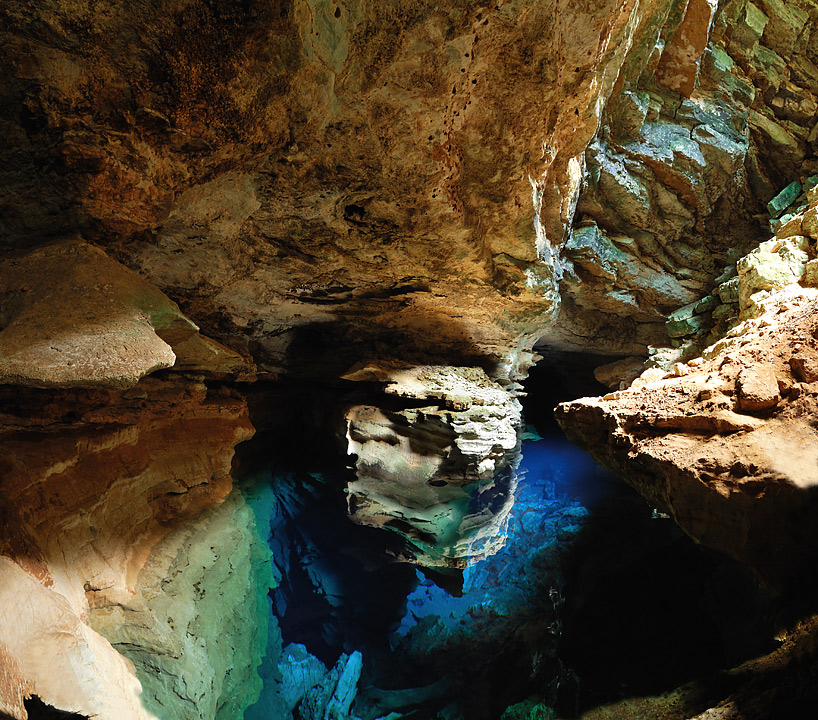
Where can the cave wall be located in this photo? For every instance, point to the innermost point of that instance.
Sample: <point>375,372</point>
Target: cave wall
<point>202,193</point>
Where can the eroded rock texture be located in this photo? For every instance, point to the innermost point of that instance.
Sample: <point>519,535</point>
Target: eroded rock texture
<point>703,131</point>
<point>726,443</point>
<point>310,176</point>
<point>92,481</point>
<point>441,471</point>
<point>198,190</point>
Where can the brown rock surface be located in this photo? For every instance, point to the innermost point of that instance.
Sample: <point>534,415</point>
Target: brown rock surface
<point>678,67</point>
<point>400,176</point>
<point>757,388</point>
<point>90,481</point>
<point>72,316</point>
<point>732,481</point>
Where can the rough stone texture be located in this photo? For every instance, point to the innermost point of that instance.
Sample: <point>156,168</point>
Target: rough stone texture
<point>359,171</point>
<point>739,482</point>
<point>13,686</point>
<point>774,264</point>
<point>72,316</point>
<point>91,481</point>
<point>678,68</point>
<point>757,388</point>
<point>674,178</point>
<point>440,471</point>
<point>319,183</point>
<point>63,661</point>
<point>196,627</point>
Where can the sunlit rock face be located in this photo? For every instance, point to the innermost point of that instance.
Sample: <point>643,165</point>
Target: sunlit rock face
<point>701,132</point>
<point>436,464</point>
<point>195,190</point>
<point>94,323</point>
<point>726,442</point>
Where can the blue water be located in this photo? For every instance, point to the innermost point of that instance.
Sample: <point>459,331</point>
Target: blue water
<point>347,613</point>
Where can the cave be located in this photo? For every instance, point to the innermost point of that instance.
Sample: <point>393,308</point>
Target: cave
<point>405,360</point>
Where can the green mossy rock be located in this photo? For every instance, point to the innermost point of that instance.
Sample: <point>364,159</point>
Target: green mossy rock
<point>687,326</point>
<point>529,709</point>
<point>784,199</point>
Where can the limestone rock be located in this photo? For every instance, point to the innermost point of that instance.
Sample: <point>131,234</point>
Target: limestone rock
<point>13,686</point>
<point>679,67</point>
<point>774,264</point>
<point>196,627</point>
<point>732,481</point>
<point>805,366</point>
<point>405,174</point>
<point>94,322</point>
<point>82,508</point>
<point>63,661</point>
<point>441,473</point>
<point>810,276</point>
<point>809,223</point>
<point>620,373</point>
<point>757,388</point>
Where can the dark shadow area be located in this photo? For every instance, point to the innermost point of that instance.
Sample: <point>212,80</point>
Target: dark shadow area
<point>341,588</point>
<point>38,710</point>
<point>560,376</point>
<point>372,324</point>
<point>595,597</point>
<point>646,609</point>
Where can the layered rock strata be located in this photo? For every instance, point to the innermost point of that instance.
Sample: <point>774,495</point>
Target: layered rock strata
<point>101,466</point>
<point>441,185</point>
<point>92,480</point>
<point>320,181</point>
<point>73,317</point>
<point>437,463</point>
<point>702,130</point>
<point>726,442</point>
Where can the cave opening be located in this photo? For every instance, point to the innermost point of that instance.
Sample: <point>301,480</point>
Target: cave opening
<point>593,597</point>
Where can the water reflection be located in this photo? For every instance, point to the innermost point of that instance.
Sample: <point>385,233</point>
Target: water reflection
<point>435,461</point>
<point>425,651</point>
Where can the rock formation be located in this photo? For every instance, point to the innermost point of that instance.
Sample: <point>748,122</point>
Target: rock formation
<point>440,472</point>
<point>726,441</point>
<point>412,200</point>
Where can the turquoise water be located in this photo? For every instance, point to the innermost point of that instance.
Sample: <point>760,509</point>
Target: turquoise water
<point>375,636</point>
<point>592,597</point>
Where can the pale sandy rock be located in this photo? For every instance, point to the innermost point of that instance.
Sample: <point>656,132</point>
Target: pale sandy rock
<point>810,276</point>
<point>757,388</point>
<point>73,317</point>
<point>805,365</point>
<point>775,264</point>
<point>64,662</point>
<point>13,686</point>
<point>809,222</point>
<point>620,373</point>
